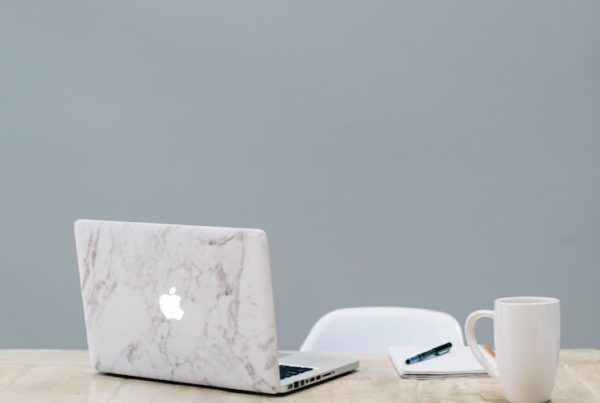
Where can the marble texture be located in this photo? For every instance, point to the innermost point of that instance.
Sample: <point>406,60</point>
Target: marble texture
<point>226,338</point>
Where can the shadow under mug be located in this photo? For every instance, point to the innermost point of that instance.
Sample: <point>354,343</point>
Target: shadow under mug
<point>527,342</point>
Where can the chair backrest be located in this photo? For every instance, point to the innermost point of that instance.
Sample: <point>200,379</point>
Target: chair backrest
<point>374,329</point>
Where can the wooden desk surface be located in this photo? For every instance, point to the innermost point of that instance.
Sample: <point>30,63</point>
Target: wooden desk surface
<point>65,376</point>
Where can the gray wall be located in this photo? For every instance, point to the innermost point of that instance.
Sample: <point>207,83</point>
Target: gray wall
<point>414,153</point>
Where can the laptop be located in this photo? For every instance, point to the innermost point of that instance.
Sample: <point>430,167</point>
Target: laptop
<point>188,304</point>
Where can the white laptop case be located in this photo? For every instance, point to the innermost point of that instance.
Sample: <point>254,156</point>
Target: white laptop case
<point>182,303</point>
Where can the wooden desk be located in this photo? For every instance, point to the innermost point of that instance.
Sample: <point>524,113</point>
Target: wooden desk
<point>65,376</point>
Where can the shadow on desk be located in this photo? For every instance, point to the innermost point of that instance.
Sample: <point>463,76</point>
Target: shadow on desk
<point>170,384</point>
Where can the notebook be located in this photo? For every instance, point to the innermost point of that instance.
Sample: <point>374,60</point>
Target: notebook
<point>459,362</point>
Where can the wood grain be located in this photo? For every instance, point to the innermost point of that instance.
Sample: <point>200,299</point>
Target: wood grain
<point>66,376</point>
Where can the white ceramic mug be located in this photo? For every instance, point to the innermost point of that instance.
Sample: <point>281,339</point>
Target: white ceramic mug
<point>527,341</point>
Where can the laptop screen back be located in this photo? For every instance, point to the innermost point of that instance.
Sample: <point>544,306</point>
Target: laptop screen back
<point>179,303</point>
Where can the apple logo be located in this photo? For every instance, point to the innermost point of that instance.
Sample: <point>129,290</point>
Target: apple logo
<point>170,305</point>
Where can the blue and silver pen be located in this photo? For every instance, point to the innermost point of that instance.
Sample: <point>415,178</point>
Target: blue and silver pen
<point>434,352</point>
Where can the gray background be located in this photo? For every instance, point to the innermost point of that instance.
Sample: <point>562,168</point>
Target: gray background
<point>411,153</point>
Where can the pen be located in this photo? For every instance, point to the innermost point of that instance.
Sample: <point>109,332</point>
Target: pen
<point>434,352</point>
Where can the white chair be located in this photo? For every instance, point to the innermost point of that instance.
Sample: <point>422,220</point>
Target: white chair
<point>374,329</point>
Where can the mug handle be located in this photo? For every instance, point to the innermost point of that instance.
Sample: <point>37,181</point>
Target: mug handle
<point>472,340</point>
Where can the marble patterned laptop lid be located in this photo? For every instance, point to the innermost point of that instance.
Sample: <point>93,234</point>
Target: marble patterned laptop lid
<point>179,303</point>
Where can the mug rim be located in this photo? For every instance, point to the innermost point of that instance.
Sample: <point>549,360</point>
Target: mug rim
<point>527,301</point>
